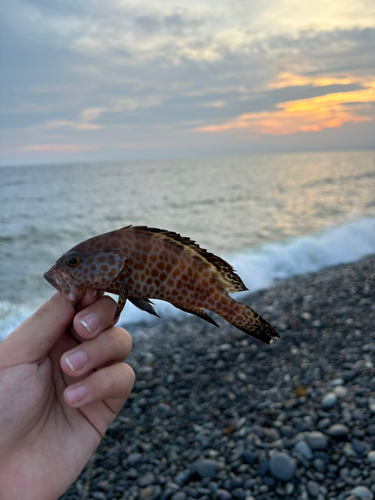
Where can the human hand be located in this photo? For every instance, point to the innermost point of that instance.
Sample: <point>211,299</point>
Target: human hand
<point>47,433</point>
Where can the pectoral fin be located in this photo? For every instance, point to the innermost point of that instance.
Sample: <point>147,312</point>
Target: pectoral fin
<point>123,295</point>
<point>143,305</point>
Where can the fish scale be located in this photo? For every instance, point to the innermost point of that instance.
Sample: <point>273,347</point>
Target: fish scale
<point>139,263</point>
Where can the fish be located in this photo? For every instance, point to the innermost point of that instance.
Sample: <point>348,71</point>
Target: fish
<point>140,263</point>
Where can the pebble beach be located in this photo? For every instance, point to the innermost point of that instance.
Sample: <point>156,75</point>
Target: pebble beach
<point>216,415</point>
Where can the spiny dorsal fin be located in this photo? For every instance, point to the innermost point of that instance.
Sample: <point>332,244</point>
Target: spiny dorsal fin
<point>222,271</point>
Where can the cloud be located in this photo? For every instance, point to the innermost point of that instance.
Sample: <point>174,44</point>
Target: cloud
<point>104,72</point>
<point>305,115</point>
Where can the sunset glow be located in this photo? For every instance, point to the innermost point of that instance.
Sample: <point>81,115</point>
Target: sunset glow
<point>306,115</point>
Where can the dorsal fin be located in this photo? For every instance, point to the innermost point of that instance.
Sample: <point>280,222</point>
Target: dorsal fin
<point>222,271</point>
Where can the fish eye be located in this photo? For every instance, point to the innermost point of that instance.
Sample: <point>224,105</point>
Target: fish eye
<point>73,261</point>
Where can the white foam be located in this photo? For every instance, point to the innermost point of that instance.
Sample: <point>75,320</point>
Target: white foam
<point>259,268</point>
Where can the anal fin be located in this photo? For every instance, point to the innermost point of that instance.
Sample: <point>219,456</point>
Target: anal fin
<point>197,311</point>
<point>143,305</point>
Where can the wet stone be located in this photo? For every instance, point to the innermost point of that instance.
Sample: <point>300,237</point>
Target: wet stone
<point>239,493</point>
<point>179,495</point>
<point>223,494</point>
<point>183,477</point>
<point>206,468</point>
<point>146,479</point>
<point>133,458</point>
<point>304,449</point>
<point>146,493</point>
<point>313,488</point>
<point>338,431</point>
<point>362,492</point>
<point>329,400</point>
<point>317,440</point>
<point>359,446</point>
<point>282,466</point>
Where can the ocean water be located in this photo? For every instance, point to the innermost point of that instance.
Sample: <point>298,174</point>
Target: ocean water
<point>270,216</point>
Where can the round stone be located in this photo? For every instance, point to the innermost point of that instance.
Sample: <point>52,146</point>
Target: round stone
<point>329,400</point>
<point>304,449</point>
<point>371,456</point>
<point>338,431</point>
<point>206,468</point>
<point>362,492</point>
<point>359,446</point>
<point>146,493</point>
<point>313,488</point>
<point>223,494</point>
<point>317,440</point>
<point>146,479</point>
<point>133,458</point>
<point>179,495</point>
<point>340,391</point>
<point>282,466</point>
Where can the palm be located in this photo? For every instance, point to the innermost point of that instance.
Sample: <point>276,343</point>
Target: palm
<point>45,442</point>
<point>49,427</point>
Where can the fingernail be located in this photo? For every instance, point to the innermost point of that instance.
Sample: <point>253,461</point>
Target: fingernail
<point>76,361</point>
<point>91,322</point>
<point>77,393</point>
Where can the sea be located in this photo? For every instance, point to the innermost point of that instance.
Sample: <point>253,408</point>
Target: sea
<point>270,216</point>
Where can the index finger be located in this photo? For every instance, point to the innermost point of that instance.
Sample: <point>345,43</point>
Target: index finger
<point>36,336</point>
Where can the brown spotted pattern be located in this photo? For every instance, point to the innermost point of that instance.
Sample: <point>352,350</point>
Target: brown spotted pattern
<point>144,263</point>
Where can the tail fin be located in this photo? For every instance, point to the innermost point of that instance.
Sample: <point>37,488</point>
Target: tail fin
<point>250,322</point>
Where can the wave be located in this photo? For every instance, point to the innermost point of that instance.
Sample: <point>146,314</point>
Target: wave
<point>259,267</point>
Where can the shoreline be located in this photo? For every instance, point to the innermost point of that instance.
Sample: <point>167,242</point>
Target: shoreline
<point>215,414</point>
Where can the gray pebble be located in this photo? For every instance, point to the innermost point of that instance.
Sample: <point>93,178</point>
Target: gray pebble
<point>146,493</point>
<point>206,468</point>
<point>164,409</point>
<point>282,466</point>
<point>348,450</point>
<point>317,440</point>
<point>133,458</point>
<point>146,479</point>
<point>304,449</point>
<point>289,488</point>
<point>359,446</point>
<point>319,465</point>
<point>183,477</point>
<point>179,495</point>
<point>324,423</point>
<point>371,456</point>
<point>223,494</point>
<point>329,400</point>
<point>362,492</point>
<point>338,431</point>
<point>313,488</point>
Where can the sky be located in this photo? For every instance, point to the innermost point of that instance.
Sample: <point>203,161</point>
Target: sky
<point>115,80</point>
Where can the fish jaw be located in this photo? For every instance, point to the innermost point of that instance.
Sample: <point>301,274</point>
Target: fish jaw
<point>65,285</point>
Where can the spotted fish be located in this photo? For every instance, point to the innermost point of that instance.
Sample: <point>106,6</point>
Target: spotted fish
<point>139,263</point>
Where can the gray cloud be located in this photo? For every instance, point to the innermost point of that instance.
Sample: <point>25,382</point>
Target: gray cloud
<point>71,65</point>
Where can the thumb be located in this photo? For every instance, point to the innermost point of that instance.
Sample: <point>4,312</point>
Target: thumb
<point>36,336</point>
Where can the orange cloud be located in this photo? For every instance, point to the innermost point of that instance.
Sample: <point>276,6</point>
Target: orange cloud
<point>305,115</point>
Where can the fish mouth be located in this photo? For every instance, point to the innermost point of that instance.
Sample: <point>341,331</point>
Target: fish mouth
<point>62,282</point>
<point>51,281</point>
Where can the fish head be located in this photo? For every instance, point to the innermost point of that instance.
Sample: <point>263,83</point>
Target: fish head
<point>76,270</point>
